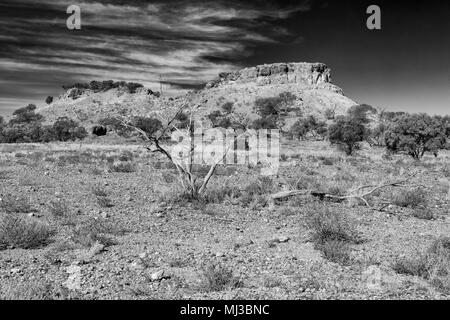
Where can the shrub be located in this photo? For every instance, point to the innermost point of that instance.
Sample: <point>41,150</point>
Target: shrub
<point>333,225</point>
<point>433,265</point>
<point>287,99</point>
<point>49,100</point>
<point>66,129</point>
<point>19,204</point>
<point>219,278</point>
<point>148,125</point>
<point>95,231</point>
<point>116,125</point>
<point>23,233</point>
<point>415,134</point>
<point>125,167</point>
<point>214,117</point>
<point>267,107</point>
<point>227,107</point>
<point>336,251</point>
<point>26,115</point>
<point>256,190</point>
<point>308,125</point>
<point>348,133</point>
<point>378,135</point>
<point>126,156</point>
<point>98,86</point>
<point>360,112</point>
<point>424,214</point>
<point>330,114</point>
<point>61,211</point>
<point>105,202</point>
<point>410,198</point>
<point>99,191</point>
<point>333,232</point>
<point>264,123</point>
<point>412,267</point>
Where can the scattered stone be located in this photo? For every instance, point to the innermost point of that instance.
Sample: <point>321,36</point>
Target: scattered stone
<point>15,270</point>
<point>281,239</point>
<point>159,275</point>
<point>73,282</point>
<point>143,255</point>
<point>105,215</point>
<point>137,264</point>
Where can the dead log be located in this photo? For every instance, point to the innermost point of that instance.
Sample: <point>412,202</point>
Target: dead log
<point>357,193</point>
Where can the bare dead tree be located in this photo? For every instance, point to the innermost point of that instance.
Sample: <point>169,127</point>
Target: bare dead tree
<point>187,178</point>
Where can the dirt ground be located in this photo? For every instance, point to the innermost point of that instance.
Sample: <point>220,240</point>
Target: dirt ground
<point>121,230</point>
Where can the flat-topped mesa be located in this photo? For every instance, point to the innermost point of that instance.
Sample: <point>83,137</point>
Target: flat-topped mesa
<point>304,73</point>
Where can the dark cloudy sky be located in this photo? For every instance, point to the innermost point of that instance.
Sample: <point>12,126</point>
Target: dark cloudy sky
<point>404,66</point>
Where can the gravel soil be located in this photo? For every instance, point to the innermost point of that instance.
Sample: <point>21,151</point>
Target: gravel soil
<point>160,248</point>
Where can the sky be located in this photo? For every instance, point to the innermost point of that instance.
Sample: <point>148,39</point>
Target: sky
<point>405,66</point>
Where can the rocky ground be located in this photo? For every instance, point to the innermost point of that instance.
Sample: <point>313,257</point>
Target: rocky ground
<point>121,230</point>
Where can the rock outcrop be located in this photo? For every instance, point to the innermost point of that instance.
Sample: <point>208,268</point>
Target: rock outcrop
<point>303,73</point>
<point>310,83</point>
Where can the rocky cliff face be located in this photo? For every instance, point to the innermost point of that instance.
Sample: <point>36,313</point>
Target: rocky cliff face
<point>304,74</point>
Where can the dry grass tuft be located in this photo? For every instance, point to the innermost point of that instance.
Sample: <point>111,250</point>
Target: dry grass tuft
<point>24,233</point>
<point>219,278</point>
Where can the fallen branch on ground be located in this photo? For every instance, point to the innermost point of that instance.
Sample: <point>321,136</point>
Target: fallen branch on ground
<point>357,193</point>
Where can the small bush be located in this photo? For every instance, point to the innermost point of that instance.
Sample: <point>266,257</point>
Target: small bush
<point>347,133</point>
<point>99,191</point>
<point>256,190</point>
<point>424,214</point>
<point>125,167</point>
<point>333,232</point>
<point>105,202</point>
<point>330,225</point>
<point>23,233</point>
<point>219,278</point>
<point>49,100</point>
<point>433,265</point>
<point>61,211</point>
<point>95,231</point>
<point>410,198</point>
<point>19,204</point>
<point>336,251</point>
<point>415,134</point>
<point>328,162</point>
<point>126,156</point>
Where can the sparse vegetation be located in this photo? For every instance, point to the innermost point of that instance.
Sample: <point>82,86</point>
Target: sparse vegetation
<point>23,233</point>
<point>415,134</point>
<point>433,265</point>
<point>98,86</point>
<point>348,133</point>
<point>410,198</point>
<point>95,231</point>
<point>333,232</point>
<point>15,204</point>
<point>123,167</point>
<point>219,277</point>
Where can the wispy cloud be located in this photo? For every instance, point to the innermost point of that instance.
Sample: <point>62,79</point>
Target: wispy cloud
<point>185,42</point>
